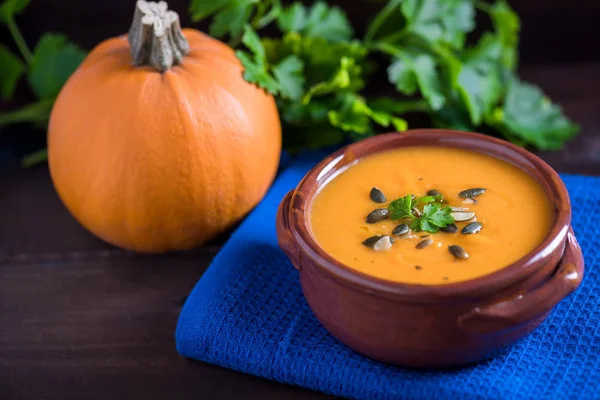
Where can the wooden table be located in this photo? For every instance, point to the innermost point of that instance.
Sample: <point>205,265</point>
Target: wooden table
<point>82,320</point>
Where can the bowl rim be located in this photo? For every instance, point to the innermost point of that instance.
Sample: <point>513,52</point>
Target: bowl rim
<point>516,272</point>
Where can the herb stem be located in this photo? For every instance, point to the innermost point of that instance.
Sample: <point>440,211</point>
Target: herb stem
<point>396,36</point>
<point>19,40</point>
<point>34,112</point>
<point>34,158</point>
<point>482,6</point>
<point>401,107</point>
<point>379,19</point>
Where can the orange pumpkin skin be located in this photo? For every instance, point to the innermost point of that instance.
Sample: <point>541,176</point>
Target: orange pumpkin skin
<point>156,162</point>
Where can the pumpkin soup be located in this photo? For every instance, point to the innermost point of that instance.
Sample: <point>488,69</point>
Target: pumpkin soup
<point>430,215</point>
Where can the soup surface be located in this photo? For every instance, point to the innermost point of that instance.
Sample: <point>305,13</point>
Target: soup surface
<point>514,213</point>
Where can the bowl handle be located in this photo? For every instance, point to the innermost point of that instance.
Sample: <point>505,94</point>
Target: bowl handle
<point>528,306</point>
<point>284,234</point>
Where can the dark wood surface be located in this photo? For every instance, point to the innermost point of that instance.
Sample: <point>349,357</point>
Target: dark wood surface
<point>82,320</point>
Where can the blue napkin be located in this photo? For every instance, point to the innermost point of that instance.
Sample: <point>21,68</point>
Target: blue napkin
<point>248,313</point>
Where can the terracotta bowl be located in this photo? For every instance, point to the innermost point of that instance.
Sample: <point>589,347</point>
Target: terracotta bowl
<point>432,325</point>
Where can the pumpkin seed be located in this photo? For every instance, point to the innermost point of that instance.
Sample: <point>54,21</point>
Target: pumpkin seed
<point>459,208</point>
<point>433,192</point>
<point>424,243</point>
<point>470,193</point>
<point>451,228</point>
<point>458,252</point>
<point>401,230</point>
<point>378,214</point>
<point>417,212</point>
<point>470,200</point>
<point>378,242</point>
<point>377,195</point>
<point>473,227</point>
<point>461,216</point>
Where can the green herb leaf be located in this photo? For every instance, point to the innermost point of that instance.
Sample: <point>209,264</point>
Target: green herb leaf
<point>293,18</point>
<point>329,23</point>
<point>200,9</point>
<point>533,118</point>
<point>11,70</point>
<point>339,82</point>
<point>412,70</point>
<point>54,60</point>
<point>434,217</point>
<point>401,208</point>
<point>231,20</point>
<point>36,113</point>
<point>10,8</point>
<point>257,73</point>
<point>255,64</point>
<point>507,25</point>
<point>356,116</point>
<point>446,21</point>
<point>479,81</point>
<point>290,78</point>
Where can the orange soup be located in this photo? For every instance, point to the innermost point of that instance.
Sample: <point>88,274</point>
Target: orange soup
<point>500,214</point>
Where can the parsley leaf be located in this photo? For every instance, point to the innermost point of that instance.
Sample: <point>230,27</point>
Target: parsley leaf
<point>507,24</point>
<point>436,216</point>
<point>292,19</point>
<point>54,60</point>
<point>445,21</point>
<point>401,208</point>
<point>411,70</point>
<point>232,19</point>
<point>329,23</point>
<point>356,116</point>
<point>479,80</point>
<point>10,8</point>
<point>11,70</point>
<point>289,76</point>
<point>533,118</point>
<point>255,65</point>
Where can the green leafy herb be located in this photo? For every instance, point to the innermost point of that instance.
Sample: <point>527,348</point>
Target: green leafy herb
<point>11,70</point>
<point>431,218</point>
<point>54,60</point>
<point>47,68</point>
<point>317,69</point>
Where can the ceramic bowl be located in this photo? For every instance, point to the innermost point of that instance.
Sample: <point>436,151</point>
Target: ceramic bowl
<point>432,325</point>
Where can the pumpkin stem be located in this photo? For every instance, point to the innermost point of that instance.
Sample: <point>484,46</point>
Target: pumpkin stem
<point>155,36</point>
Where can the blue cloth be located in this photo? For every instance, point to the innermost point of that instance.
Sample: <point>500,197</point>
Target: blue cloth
<point>248,313</point>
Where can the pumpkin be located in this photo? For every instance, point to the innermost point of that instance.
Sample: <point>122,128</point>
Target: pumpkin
<point>157,143</point>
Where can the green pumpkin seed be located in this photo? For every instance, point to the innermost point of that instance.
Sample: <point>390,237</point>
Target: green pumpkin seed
<point>433,192</point>
<point>473,227</point>
<point>458,252</point>
<point>378,214</point>
<point>378,242</point>
<point>470,193</point>
<point>461,216</point>
<point>424,243</point>
<point>401,230</point>
<point>377,195</point>
<point>451,228</point>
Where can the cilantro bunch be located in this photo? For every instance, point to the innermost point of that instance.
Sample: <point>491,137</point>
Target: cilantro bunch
<point>318,68</point>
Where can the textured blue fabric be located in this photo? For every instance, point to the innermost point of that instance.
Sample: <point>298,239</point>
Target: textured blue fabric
<point>247,313</point>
